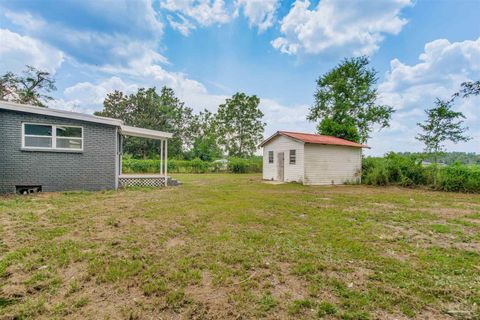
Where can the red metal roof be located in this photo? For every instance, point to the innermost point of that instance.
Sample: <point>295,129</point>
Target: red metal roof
<point>318,138</point>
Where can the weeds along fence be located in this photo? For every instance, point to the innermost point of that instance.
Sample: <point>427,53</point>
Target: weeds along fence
<point>234,165</point>
<point>408,171</point>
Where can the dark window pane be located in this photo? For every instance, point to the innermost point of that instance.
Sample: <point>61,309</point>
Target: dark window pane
<point>270,156</point>
<point>293,156</point>
<point>69,132</point>
<point>69,143</point>
<point>38,142</point>
<point>38,130</point>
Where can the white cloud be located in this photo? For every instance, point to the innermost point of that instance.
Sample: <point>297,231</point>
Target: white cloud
<point>24,19</point>
<point>410,89</point>
<point>184,26</point>
<point>280,117</point>
<point>85,93</point>
<point>88,97</point>
<point>191,12</point>
<point>130,33</point>
<point>16,51</point>
<point>135,18</point>
<point>340,27</point>
<point>260,13</point>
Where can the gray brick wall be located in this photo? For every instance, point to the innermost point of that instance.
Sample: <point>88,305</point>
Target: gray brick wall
<point>93,169</point>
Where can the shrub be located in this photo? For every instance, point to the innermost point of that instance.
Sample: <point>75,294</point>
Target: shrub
<point>460,178</point>
<point>241,165</point>
<point>405,170</point>
<point>235,165</point>
<point>394,169</point>
<point>378,176</point>
<point>408,171</point>
<point>199,166</point>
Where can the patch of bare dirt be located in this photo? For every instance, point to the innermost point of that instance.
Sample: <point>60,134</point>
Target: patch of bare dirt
<point>174,242</point>
<point>424,240</point>
<point>433,315</point>
<point>210,301</point>
<point>384,205</point>
<point>108,301</point>
<point>384,315</point>
<point>448,213</point>
<point>287,286</point>
<point>424,315</point>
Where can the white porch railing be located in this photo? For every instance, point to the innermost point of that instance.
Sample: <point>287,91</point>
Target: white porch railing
<point>140,180</point>
<point>145,180</point>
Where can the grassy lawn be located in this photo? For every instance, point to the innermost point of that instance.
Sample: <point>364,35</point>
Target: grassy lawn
<point>229,246</point>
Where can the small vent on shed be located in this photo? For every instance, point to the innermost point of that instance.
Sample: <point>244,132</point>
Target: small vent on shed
<point>27,189</point>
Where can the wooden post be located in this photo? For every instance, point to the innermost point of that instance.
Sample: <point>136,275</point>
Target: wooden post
<point>161,156</point>
<point>120,157</point>
<point>166,149</point>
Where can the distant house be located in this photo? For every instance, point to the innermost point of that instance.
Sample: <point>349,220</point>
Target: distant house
<point>311,159</point>
<point>426,163</point>
<point>44,149</point>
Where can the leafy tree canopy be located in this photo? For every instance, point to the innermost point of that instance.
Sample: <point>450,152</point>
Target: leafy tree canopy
<point>240,126</point>
<point>345,101</point>
<point>345,130</point>
<point>442,125</point>
<point>205,143</point>
<point>30,87</point>
<point>148,109</point>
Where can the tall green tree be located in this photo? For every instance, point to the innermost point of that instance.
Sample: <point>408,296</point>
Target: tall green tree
<point>32,86</point>
<point>240,126</point>
<point>346,101</point>
<point>206,139</point>
<point>442,125</point>
<point>148,109</point>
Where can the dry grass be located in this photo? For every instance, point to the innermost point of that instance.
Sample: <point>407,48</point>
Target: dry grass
<point>229,246</point>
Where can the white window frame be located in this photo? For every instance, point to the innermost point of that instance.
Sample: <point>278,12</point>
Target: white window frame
<point>53,137</point>
<point>273,156</point>
<point>294,157</point>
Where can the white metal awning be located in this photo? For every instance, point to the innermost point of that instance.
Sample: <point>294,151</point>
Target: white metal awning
<point>144,133</point>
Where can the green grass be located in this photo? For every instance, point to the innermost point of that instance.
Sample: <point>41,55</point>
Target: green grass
<point>230,246</point>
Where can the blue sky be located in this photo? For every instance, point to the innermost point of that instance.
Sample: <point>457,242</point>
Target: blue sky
<point>206,50</point>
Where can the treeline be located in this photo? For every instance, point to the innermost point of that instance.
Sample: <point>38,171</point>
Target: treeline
<point>345,105</point>
<point>234,130</point>
<point>408,171</point>
<point>447,157</point>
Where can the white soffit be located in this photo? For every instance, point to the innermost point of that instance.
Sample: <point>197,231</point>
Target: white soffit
<point>58,113</point>
<point>144,133</point>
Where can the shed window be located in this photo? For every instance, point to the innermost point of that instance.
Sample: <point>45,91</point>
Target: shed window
<point>293,156</point>
<point>55,137</point>
<point>270,156</point>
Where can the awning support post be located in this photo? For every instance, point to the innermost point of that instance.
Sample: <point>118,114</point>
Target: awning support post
<point>161,156</point>
<point>166,157</point>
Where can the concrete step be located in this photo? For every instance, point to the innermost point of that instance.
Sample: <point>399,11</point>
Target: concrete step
<point>173,182</point>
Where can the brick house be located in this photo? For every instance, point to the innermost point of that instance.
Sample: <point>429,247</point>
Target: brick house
<point>43,149</point>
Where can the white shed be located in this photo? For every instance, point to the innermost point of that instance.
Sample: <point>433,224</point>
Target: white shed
<point>311,159</point>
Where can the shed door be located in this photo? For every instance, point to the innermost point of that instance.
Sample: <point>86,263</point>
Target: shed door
<point>280,166</point>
